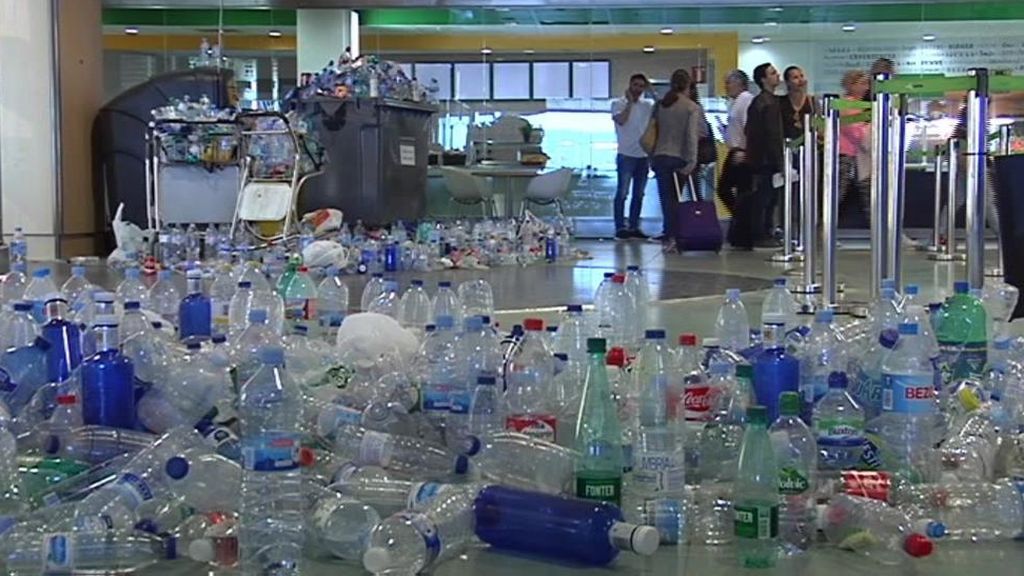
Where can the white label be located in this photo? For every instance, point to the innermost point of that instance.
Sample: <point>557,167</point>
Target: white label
<point>407,155</point>
<point>135,488</point>
<point>58,553</point>
<point>375,449</point>
<point>655,472</point>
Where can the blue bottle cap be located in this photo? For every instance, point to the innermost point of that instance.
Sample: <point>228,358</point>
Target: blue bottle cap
<point>22,306</point>
<point>164,275</point>
<point>376,275</point>
<point>473,445</point>
<point>779,282</point>
<point>194,274</point>
<point>461,464</point>
<point>444,284</point>
<point>41,273</point>
<point>732,293</point>
<point>561,356</point>
<point>473,324</point>
<point>608,275</point>
<point>272,355</point>
<point>258,315</point>
<point>961,287</point>
<point>888,338</point>
<point>444,322</point>
<point>935,529</point>
<point>486,379</point>
<point>654,334</point>
<point>632,268</point>
<point>246,284</point>
<point>157,325</point>
<point>517,329</point>
<point>146,525</point>
<point>416,282</point>
<point>52,444</point>
<point>908,328</point>
<point>911,289</point>
<point>193,345</point>
<point>54,297</point>
<point>219,338</point>
<point>552,329</point>
<point>132,305</point>
<point>837,380</point>
<point>574,308</point>
<point>177,467</point>
<point>429,328</point>
<point>485,319</point>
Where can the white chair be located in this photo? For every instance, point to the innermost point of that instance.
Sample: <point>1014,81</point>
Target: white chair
<point>467,189</point>
<point>547,189</point>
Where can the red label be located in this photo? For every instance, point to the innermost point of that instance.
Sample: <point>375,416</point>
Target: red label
<point>873,485</point>
<point>539,426</point>
<point>919,393</point>
<point>697,402</point>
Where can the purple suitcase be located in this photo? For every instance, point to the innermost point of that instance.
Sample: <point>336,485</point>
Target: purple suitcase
<point>698,227</point>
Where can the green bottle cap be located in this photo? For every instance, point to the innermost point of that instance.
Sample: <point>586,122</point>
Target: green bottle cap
<point>595,346</point>
<point>789,404</point>
<point>757,415</point>
<point>744,371</point>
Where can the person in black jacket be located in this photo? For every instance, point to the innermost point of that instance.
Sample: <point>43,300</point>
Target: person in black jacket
<point>764,152</point>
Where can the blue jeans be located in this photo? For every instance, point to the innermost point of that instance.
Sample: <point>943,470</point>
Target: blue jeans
<point>629,169</point>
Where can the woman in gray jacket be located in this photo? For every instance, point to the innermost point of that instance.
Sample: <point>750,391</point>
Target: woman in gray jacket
<point>675,153</point>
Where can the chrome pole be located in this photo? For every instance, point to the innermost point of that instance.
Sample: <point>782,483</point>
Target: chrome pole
<point>880,111</point>
<point>937,204</point>
<point>977,135</point>
<point>809,211</point>
<point>948,252</point>
<point>830,201</point>
<point>787,205</point>
<point>1005,133</point>
<point>897,185</point>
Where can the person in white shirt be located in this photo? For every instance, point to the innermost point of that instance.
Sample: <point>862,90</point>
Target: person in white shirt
<point>735,182</point>
<point>631,114</point>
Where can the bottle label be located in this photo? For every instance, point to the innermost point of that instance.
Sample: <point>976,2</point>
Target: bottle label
<point>332,319</point>
<point>134,488</point>
<point>957,360</point>
<point>793,481</point>
<point>459,402</point>
<point>428,531</point>
<point>299,309</point>
<point>539,426</point>
<point>271,452</point>
<point>436,398</point>
<point>697,401</point>
<point>375,449</point>
<point>840,432</point>
<point>602,488</point>
<point>656,472</point>
<point>756,522</point>
<point>668,517</point>
<point>908,393</point>
<point>423,493</point>
<point>58,553</point>
<point>343,416</point>
<point>219,311</point>
<point>873,485</point>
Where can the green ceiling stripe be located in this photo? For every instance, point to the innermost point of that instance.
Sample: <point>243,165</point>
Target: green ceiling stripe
<point>197,17</point>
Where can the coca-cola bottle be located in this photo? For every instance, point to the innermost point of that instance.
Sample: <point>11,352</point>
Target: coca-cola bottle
<point>530,373</point>
<point>696,394</point>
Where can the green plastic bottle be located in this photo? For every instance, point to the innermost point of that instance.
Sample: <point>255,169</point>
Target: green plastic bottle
<point>598,434</point>
<point>38,475</point>
<point>756,495</point>
<point>962,337</point>
<point>298,291</point>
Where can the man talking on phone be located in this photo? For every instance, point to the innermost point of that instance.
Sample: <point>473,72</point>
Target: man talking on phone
<point>631,114</point>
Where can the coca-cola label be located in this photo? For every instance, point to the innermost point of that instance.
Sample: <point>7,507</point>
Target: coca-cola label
<point>697,402</point>
<point>539,426</point>
<point>873,485</point>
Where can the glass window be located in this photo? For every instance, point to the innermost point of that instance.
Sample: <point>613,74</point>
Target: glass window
<point>590,79</point>
<point>472,81</point>
<point>551,80</point>
<point>511,80</point>
<point>427,73</point>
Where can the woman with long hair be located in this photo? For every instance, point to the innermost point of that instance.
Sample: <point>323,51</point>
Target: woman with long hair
<point>855,146</point>
<point>675,151</point>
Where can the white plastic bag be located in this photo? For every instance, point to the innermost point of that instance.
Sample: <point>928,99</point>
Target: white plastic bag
<point>131,240</point>
<point>323,253</point>
<point>367,338</point>
<point>323,220</point>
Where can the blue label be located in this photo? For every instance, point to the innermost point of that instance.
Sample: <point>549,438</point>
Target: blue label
<point>271,452</point>
<point>59,552</point>
<point>428,531</point>
<point>459,402</point>
<point>331,319</point>
<point>7,385</point>
<point>667,516</point>
<point>909,393</point>
<point>436,399</point>
<point>423,493</point>
<point>135,488</point>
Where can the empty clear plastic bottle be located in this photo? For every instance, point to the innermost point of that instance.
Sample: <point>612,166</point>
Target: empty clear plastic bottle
<point>866,373</point>
<point>238,309</point>
<point>371,291</point>
<point>86,551</point>
<point>446,303</point>
<point>779,303</point>
<point>12,287</point>
<point>415,310</point>
<point>132,288</point>
<point>75,285</point>
<point>477,297</point>
<point>222,290</point>
<point>164,297</point>
<point>969,511</point>
<point>332,295</point>
<point>732,326</point>
<point>797,460</point>
<point>619,317</point>
<point>387,302</point>
<point>338,525</point>
<point>36,292</point>
<point>485,408</point>
<point>397,453</point>
<point>875,529</point>
<point>823,354</point>
<point>246,348</point>
<point>525,462</point>
<point>838,423</point>
<point>529,374</point>
<point>19,246</point>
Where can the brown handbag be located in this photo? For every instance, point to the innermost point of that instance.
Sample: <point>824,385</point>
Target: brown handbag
<point>650,137</point>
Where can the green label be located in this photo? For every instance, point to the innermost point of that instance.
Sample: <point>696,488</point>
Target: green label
<point>792,481</point>
<point>603,488</point>
<point>756,522</point>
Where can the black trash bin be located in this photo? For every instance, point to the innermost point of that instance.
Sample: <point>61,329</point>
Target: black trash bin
<point>1009,172</point>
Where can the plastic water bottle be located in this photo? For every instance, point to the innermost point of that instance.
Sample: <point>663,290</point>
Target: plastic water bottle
<point>823,355</point>
<point>601,295</point>
<point>415,309</point>
<point>866,373</point>
<point>442,370</point>
<point>95,551</point>
<point>619,316</point>
<point>732,326</point>
<point>1000,300</point>
<point>875,529</point>
<point>969,511</point>
<point>164,297</point>
<point>446,303</point>
<point>204,482</point>
<point>195,311</point>
<point>19,246</point>
<point>775,370</point>
<point>571,338</point>
<point>962,335</point>
<point>132,288</point>
<point>75,285</point>
<point>371,291</point>
<point>797,459</point>
<point>239,307</point>
<point>24,358</point>
<point>779,303</point>
<point>477,297</point>
<point>246,348</point>
<point>103,305</point>
<point>479,349</point>
<point>387,302</point>
<point>271,517</point>
<point>211,539</point>
<point>413,542</point>
<point>108,391</point>
<point>909,408</point>
<point>559,528</point>
<point>718,444</point>
<point>885,312</point>
<point>195,386</point>
<point>1004,379</point>
<point>96,444</point>
<point>838,423</point>
<point>65,352</point>
<point>485,408</point>
<point>332,301</point>
<point>638,288</point>
<point>338,525</point>
<point>528,406</point>
<point>397,453</point>
<point>36,292</point>
<point>222,290</point>
<point>12,287</point>
<point>756,495</point>
<point>385,492</point>
<point>525,462</point>
<point>133,322</point>
<point>193,244</point>
<point>598,436</point>
<point>300,297</point>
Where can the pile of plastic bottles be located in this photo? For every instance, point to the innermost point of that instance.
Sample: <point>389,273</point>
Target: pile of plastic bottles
<point>364,76</point>
<point>149,425</point>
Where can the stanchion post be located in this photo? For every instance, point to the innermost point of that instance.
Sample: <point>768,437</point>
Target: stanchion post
<point>937,204</point>
<point>787,205</point>
<point>1005,133</point>
<point>897,185</point>
<point>809,211</point>
<point>977,140</point>
<point>830,201</point>
<point>881,110</point>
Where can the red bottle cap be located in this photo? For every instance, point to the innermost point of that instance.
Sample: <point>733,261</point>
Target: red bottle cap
<point>66,399</point>
<point>616,357</point>
<point>303,269</point>
<point>918,545</point>
<point>619,279</point>
<point>306,457</point>
<point>533,324</point>
<point>687,339</point>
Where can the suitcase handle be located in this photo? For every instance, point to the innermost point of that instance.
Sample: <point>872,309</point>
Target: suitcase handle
<point>691,185</point>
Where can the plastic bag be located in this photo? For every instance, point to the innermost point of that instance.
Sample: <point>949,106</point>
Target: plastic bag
<point>323,253</point>
<point>323,220</point>
<point>367,338</point>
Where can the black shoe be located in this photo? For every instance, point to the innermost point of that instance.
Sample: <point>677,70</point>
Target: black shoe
<point>623,234</point>
<point>638,234</point>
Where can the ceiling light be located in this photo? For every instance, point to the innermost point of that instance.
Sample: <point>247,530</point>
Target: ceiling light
<point>528,51</point>
<point>928,37</point>
<point>771,23</point>
<point>849,27</point>
<point>776,9</point>
<point>759,39</point>
<point>131,30</point>
<point>648,49</point>
<point>486,51</point>
<point>666,31</point>
<point>274,34</point>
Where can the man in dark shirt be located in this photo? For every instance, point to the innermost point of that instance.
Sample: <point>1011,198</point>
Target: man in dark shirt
<point>764,149</point>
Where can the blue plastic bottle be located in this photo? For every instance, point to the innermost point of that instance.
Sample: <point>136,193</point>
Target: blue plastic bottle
<point>580,531</point>
<point>195,311</point>
<point>775,370</point>
<point>108,391</point>
<point>65,353</point>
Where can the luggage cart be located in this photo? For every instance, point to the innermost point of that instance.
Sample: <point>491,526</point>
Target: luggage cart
<point>276,161</point>
<point>192,171</point>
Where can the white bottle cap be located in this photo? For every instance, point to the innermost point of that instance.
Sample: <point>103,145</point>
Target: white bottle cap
<point>376,560</point>
<point>642,540</point>
<point>201,550</point>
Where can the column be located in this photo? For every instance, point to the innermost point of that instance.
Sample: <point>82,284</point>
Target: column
<point>322,35</point>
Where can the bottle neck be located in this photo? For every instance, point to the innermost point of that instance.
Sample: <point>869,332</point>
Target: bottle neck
<point>773,335</point>
<point>108,339</point>
<point>194,286</point>
<point>55,310</point>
